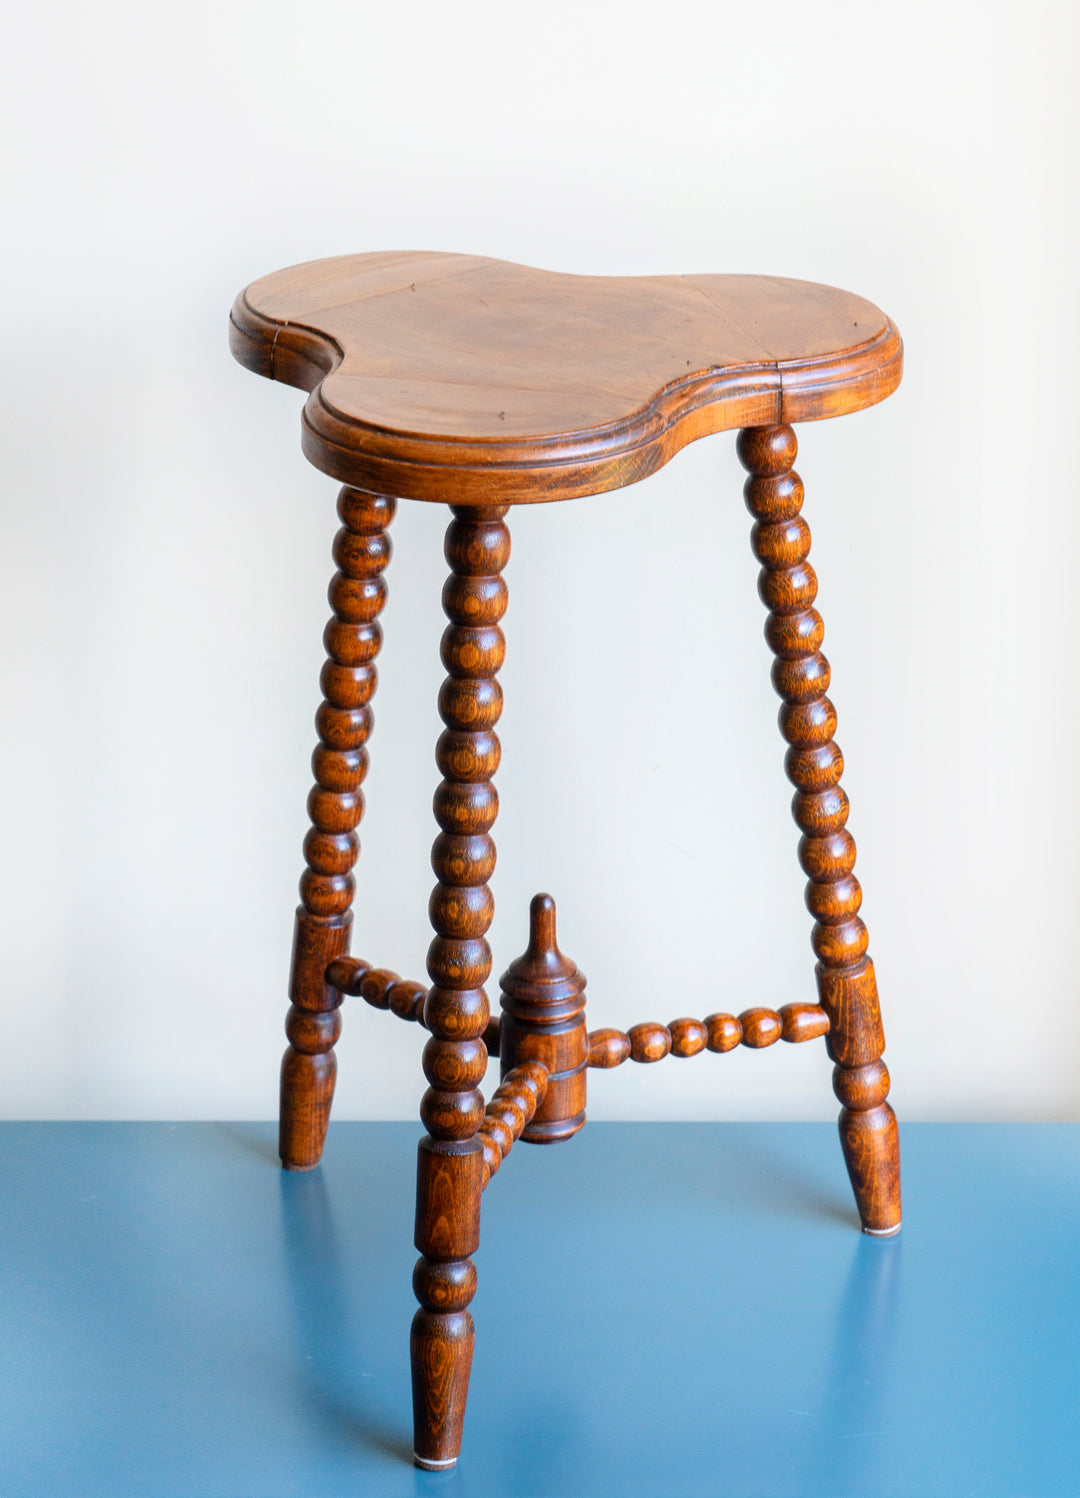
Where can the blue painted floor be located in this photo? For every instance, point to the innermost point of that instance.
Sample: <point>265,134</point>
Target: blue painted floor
<point>665,1311</point>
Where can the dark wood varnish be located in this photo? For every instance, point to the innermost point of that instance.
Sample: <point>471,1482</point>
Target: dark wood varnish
<point>474,381</point>
<point>383,989</point>
<point>845,974</point>
<point>716,1032</point>
<point>543,1019</point>
<point>513,1104</point>
<point>482,384</point>
<point>335,805</point>
<point>456,1009</point>
<point>379,987</point>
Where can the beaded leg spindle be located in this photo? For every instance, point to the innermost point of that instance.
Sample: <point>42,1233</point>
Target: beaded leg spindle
<point>451,1159</point>
<point>845,974</point>
<point>336,804</point>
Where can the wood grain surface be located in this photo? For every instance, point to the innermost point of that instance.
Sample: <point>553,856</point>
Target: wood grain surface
<point>474,381</point>
<point>483,384</point>
<point>755,1028</point>
<point>339,765</point>
<point>543,1020</point>
<point>452,1168</point>
<point>801,675</point>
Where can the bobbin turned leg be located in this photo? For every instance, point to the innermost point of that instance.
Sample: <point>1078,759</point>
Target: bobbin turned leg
<point>335,805</point>
<point>845,974</point>
<point>450,1164</point>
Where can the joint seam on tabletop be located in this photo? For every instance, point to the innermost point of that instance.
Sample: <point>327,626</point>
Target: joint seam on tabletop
<point>279,329</point>
<point>769,356</point>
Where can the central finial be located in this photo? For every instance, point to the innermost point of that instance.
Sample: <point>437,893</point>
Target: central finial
<point>542,962</point>
<point>543,1019</point>
<point>542,924</point>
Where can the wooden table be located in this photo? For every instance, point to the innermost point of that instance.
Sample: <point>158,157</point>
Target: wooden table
<point>480,384</point>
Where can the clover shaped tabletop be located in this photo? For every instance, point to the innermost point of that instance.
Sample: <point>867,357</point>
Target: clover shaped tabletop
<point>476,381</point>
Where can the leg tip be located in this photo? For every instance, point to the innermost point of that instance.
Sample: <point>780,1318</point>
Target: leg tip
<point>432,1466</point>
<point>299,1169</point>
<point>882,1232</point>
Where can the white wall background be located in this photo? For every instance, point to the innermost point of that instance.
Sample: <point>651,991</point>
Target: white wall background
<point>166,547</point>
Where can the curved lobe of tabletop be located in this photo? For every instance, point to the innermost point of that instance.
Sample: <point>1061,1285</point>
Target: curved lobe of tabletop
<point>470,380</point>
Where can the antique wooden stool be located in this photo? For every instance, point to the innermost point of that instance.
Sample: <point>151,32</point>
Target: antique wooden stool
<point>481,385</point>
